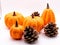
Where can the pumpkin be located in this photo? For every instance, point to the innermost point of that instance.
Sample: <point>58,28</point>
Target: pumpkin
<point>11,18</point>
<point>48,15</point>
<point>34,21</point>
<point>16,31</point>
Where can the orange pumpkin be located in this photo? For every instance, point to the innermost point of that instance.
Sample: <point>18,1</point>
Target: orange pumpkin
<point>48,15</point>
<point>34,21</point>
<point>11,18</point>
<point>16,31</point>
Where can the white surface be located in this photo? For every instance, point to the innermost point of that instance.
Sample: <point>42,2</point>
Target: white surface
<point>0,10</point>
<point>26,7</point>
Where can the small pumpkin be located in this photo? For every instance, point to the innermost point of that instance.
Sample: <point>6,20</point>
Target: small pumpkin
<point>16,31</point>
<point>11,18</point>
<point>48,15</point>
<point>34,21</point>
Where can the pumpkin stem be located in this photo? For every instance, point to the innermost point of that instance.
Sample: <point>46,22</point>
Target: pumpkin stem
<point>47,6</point>
<point>14,13</point>
<point>16,24</point>
<point>36,14</point>
<point>32,16</point>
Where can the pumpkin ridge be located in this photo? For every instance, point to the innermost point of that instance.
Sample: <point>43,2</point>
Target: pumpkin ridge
<point>52,17</point>
<point>44,17</point>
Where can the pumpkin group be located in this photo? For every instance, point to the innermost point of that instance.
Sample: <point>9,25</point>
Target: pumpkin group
<point>17,23</point>
<point>12,17</point>
<point>48,15</point>
<point>16,31</point>
<point>34,21</point>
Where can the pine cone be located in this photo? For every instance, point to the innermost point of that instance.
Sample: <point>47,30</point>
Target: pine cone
<point>30,35</point>
<point>51,30</point>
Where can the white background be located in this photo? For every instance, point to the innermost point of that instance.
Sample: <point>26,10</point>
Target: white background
<point>26,7</point>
